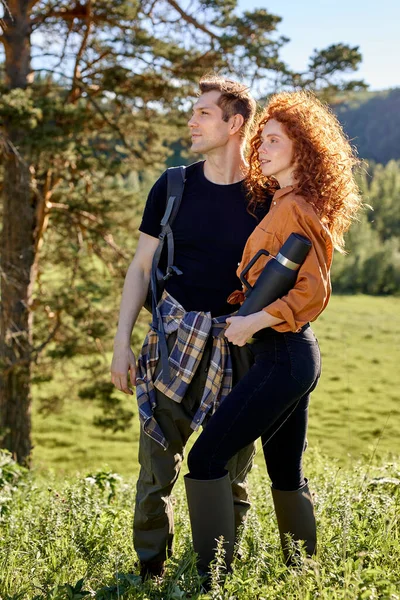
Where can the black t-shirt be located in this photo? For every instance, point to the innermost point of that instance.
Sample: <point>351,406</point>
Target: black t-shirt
<point>210,232</point>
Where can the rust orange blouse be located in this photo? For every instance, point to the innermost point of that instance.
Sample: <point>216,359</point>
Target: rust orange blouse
<point>291,213</point>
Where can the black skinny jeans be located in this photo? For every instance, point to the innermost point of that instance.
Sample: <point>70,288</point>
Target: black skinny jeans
<point>271,402</point>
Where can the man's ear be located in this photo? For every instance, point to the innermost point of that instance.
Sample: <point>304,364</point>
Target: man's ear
<point>236,123</point>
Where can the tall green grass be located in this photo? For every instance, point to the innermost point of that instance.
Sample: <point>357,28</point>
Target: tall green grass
<point>62,540</point>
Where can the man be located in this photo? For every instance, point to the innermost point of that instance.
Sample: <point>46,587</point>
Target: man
<point>210,231</point>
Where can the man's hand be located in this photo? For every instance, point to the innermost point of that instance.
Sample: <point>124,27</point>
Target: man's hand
<point>123,363</point>
<point>240,329</point>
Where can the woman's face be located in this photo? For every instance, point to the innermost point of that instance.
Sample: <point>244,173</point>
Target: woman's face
<point>276,153</point>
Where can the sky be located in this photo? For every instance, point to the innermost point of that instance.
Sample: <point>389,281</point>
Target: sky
<point>373,25</point>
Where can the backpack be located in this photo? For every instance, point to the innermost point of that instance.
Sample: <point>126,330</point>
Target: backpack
<point>158,279</point>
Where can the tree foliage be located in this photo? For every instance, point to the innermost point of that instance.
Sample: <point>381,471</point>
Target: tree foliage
<point>326,69</point>
<point>372,265</point>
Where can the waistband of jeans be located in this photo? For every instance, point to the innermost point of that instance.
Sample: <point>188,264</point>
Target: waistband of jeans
<point>269,332</point>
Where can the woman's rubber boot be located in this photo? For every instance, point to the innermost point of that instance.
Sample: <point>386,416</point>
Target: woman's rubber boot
<point>211,515</point>
<point>295,514</point>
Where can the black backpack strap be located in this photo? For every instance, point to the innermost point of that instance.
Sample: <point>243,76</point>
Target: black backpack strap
<point>175,187</point>
<point>176,182</point>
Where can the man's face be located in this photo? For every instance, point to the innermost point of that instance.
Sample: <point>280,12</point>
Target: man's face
<point>207,128</point>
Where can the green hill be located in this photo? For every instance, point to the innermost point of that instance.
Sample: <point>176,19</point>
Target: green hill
<point>372,121</point>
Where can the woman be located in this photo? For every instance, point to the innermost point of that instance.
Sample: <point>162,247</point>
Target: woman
<point>300,153</point>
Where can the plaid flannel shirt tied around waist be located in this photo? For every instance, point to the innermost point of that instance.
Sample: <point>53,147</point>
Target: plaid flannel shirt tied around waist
<point>193,329</point>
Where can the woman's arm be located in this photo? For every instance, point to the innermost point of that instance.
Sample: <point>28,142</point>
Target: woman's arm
<point>311,293</point>
<point>307,299</point>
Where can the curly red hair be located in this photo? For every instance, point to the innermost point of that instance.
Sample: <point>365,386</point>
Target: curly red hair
<point>323,158</point>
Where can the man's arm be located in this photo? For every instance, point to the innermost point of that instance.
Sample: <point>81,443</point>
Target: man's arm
<point>133,296</point>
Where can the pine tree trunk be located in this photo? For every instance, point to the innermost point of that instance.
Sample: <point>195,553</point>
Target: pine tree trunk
<point>17,253</point>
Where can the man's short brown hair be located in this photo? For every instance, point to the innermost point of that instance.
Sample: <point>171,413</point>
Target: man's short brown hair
<point>235,99</point>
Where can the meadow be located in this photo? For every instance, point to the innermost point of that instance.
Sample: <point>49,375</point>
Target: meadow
<point>354,412</point>
<point>66,525</point>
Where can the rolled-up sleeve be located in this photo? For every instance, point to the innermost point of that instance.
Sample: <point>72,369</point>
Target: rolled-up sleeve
<point>311,293</point>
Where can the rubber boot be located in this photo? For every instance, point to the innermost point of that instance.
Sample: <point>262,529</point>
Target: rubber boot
<point>152,569</point>
<point>295,515</point>
<point>211,515</point>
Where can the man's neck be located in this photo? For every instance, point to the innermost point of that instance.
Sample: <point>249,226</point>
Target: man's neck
<point>225,166</point>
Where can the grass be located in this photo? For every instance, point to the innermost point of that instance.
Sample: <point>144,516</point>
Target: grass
<point>354,411</point>
<point>65,540</point>
<point>356,407</point>
<point>66,526</point>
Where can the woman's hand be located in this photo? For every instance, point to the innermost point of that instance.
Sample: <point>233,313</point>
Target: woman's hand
<point>240,329</point>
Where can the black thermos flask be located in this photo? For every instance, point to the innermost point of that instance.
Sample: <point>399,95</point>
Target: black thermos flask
<point>278,276</point>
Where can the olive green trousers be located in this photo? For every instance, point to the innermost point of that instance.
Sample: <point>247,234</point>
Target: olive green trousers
<point>153,527</point>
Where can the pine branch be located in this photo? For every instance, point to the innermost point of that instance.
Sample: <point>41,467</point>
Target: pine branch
<point>74,92</point>
<point>34,352</point>
<point>79,11</point>
<point>98,108</point>
<point>106,235</point>
<point>192,20</point>
<point>96,60</point>
<point>107,120</point>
